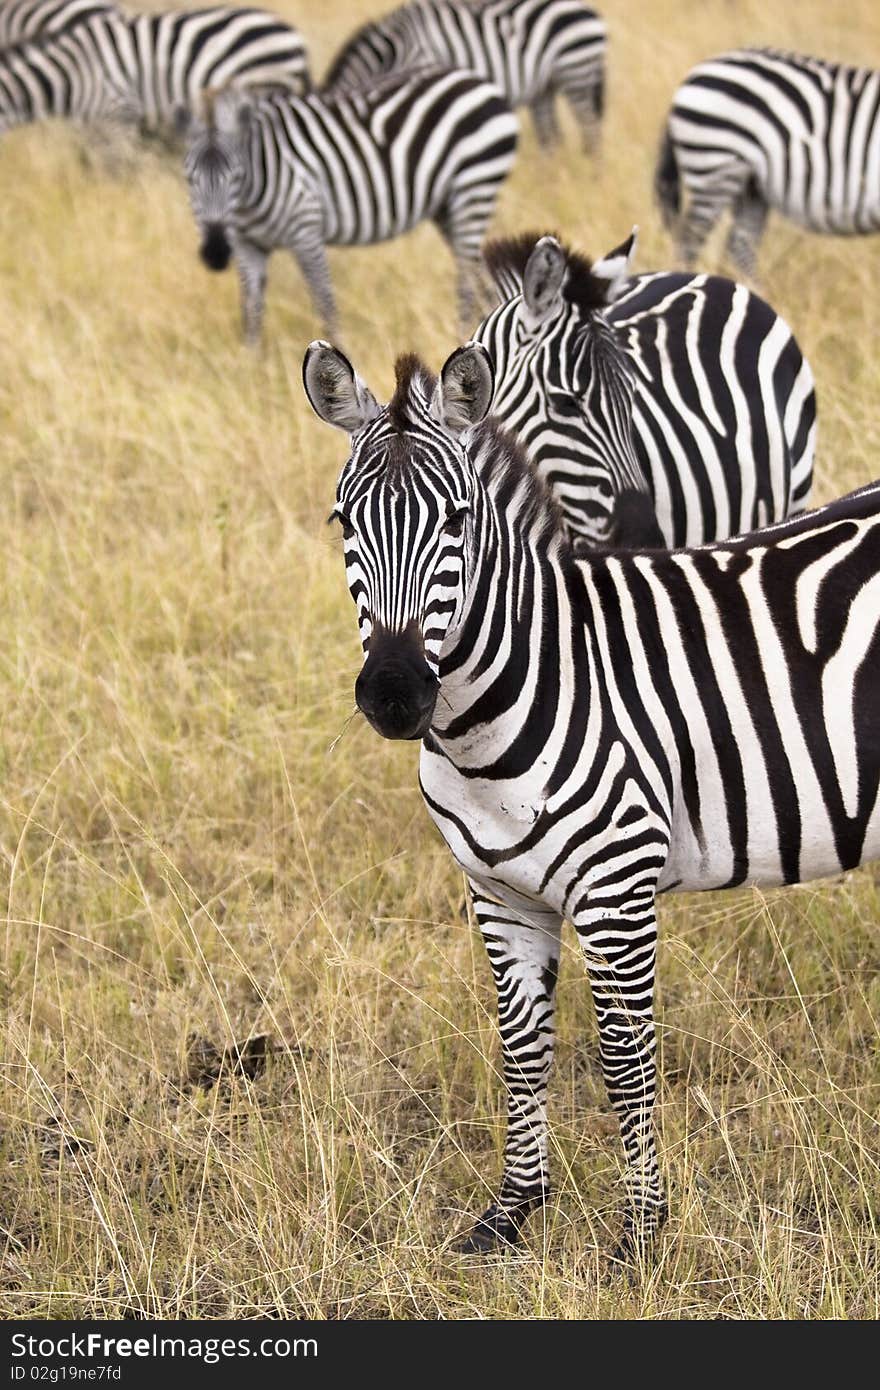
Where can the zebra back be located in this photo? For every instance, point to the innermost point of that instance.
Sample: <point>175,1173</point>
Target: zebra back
<point>26,19</point>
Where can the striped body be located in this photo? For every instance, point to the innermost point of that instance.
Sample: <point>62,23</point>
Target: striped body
<point>600,728</point>
<point>147,68</point>
<point>531,49</point>
<point>350,170</point>
<point>716,410</point>
<point>759,129</point>
<point>25,19</point>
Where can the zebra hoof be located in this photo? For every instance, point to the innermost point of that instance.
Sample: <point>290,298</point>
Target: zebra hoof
<point>638,1240</point>
<point>497,1229</point>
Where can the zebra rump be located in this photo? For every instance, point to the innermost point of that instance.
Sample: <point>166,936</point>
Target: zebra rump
<point>759,129</point>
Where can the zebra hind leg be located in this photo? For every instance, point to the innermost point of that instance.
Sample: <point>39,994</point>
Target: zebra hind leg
<point>586,100</point>
<point>524,957</point>
<point>544,119</point>
<point>749,220</point>
<point>620,956</point>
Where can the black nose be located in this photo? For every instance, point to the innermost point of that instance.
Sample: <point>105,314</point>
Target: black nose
<point>396,689</point>
<point>215,249</point>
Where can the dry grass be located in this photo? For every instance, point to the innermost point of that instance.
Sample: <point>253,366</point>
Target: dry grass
<point>183,853</point>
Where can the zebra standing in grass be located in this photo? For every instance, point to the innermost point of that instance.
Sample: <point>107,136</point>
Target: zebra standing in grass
<point>347,170</point>
<point>146,68</point>
<point>533,50</point>
<point>661,410</point>
<point>24,19</point>
<point>598,728</point>
<point>760,129</point>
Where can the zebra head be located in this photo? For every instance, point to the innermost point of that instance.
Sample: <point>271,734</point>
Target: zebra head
<point>404,500</point>
<point>565,384</point>
<point>213,165</point>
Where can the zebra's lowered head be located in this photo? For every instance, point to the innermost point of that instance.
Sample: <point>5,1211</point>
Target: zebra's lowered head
<point>405,502</point>
<point>213,166</point>
<point>564,383</point>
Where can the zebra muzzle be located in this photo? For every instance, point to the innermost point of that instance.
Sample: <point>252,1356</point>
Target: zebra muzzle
<point>215,250</point>
<point>396,689</point>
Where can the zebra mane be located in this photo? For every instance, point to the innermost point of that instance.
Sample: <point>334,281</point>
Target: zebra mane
<point>506,259</point>
<point>414,386</point>
<point>496,453</point>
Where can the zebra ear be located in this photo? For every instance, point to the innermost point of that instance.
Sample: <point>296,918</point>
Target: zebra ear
<point>543,276</point>
<point>464,392</point>
<point>614,268</point>
<point>336,393</point>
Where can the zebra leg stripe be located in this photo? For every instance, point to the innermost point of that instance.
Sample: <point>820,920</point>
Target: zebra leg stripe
<point>311,257</point>
<point>620,953</point>
<point>525,958</point>
<point>544,119</point>
<point>251,261</point>
<point>749,220</point>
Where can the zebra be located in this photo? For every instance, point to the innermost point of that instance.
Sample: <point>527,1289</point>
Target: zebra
<point>597,728</point>
<point>146,68</point>
<point>661,409</point>
<point>305,173</point>
<point>532,49</point>
<point>25,19</point>
<point>760,128</point>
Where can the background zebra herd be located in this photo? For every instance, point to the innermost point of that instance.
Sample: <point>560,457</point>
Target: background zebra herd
<point>711,725</point>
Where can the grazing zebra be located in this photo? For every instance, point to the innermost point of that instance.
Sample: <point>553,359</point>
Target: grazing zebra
<point>347,170</point>
<point>661,410</point>
<point>146,68</point>
<point>760,129</point>
<point>597,728</point>
<point>532,49</point>
<point>24,19</point>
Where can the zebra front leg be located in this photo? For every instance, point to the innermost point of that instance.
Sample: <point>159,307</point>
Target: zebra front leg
<point>524,956</point>
<point>311,257</point>
<point>620,952</point>
<point>251,263</point>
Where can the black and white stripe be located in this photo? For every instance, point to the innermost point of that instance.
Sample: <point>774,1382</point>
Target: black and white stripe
<point>147,68</point>
<point>534,50</point>
<point>598,728</point>
<point>759,129</point>
<point>25,19</point>
<point>348,170</point>
<point>661,409</point>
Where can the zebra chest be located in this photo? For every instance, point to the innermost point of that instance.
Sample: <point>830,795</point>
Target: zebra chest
<point>508,836</point>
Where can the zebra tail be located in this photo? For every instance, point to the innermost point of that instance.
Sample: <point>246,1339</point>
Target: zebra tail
<point>667,186</point>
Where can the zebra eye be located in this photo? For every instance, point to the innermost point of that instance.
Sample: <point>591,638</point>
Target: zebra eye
<point>454,524</point>
<point>347,528</point>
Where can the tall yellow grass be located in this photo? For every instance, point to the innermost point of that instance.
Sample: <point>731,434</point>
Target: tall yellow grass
<point>187,849</point>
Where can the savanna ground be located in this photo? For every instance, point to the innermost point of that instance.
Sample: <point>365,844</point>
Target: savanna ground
<point>193,857</point>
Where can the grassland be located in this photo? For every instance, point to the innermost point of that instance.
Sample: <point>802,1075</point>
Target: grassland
<point>189,848</point>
